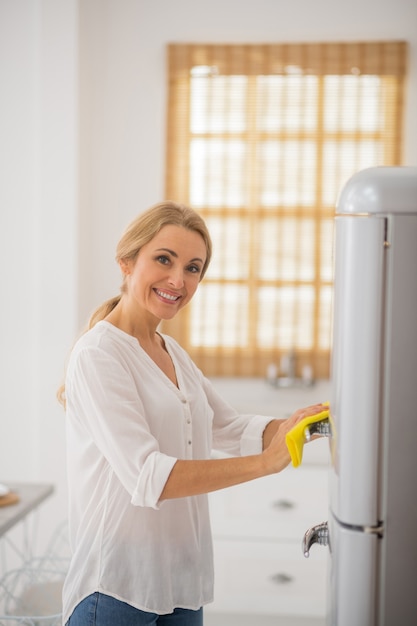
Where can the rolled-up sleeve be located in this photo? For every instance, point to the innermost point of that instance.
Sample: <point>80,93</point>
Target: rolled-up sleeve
<point>234,433</point>
<point>251,441</point>
<point>152,479</point>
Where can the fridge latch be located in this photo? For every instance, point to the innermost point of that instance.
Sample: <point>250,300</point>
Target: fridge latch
<point>316,534</point>
<point>321,428</point>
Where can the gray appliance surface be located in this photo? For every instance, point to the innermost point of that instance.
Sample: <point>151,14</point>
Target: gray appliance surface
<point>373,508</point>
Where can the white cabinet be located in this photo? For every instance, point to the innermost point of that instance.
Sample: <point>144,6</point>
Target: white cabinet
<point>267,578</point>
<point>275,508</point>
<point>260,570</point>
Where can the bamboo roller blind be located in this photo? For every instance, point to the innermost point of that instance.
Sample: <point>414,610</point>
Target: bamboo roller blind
<point>260,140</point>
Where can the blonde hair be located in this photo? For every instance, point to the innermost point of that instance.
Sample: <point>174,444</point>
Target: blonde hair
<point>139,232</point>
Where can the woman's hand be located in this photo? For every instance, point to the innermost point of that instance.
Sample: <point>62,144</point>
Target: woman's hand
<point>276,454</point>
<point>193,477</point>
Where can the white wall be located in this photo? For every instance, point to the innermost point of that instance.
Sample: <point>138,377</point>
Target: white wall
<point>38,244</point>
<point>82,152</point>
<point>124,89</point>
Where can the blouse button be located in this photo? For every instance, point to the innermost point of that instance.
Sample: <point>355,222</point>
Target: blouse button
<point>189,442</point>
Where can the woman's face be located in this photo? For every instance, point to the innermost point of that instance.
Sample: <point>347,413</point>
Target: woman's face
<point>166,272</point>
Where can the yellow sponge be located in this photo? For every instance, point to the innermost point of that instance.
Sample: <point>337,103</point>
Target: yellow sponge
<point>295,438</point>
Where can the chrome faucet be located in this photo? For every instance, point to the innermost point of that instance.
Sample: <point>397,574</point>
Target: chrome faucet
<point>285,376</point>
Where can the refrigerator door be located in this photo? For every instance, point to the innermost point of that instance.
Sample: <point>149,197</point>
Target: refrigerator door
<point>356,369</point>
<point>373,510</point>
<point>399,457</point>
<point>373,401</point>
<point>353,577</point>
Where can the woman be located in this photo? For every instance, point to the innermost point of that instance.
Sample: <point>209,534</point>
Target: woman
<point>141,423</point>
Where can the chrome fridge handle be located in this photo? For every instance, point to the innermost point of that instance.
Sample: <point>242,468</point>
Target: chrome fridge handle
<point>316,534</point>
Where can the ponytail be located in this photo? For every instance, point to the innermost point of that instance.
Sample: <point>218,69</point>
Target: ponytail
<point>99,314</point>
<point>103,310</point>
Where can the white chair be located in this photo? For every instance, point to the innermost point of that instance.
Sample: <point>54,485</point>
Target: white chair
<point>57,553</point>
<point>31,597</point>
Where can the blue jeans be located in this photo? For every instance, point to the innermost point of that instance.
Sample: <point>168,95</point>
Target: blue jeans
<point>102,610</point>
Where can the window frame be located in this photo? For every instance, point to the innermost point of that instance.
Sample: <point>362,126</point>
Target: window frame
<point>319,60</point>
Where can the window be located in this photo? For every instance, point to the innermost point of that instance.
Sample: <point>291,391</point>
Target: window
<point>261,138</point>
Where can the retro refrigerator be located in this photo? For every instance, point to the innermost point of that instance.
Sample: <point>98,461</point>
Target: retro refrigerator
<point>371,532</point>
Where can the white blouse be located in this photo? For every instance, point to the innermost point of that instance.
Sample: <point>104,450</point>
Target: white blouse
<point>127,424</point>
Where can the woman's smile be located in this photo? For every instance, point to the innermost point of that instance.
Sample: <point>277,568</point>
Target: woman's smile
<point>167,296</point>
